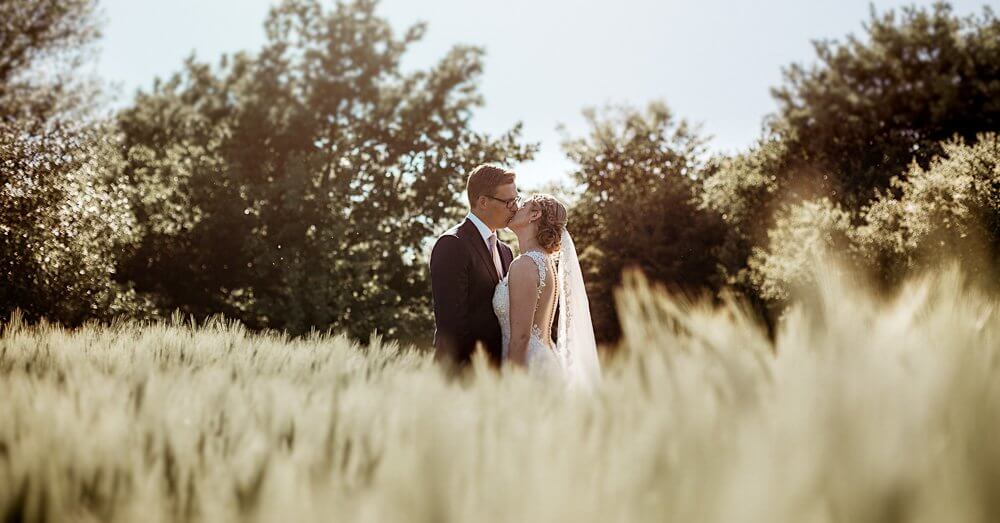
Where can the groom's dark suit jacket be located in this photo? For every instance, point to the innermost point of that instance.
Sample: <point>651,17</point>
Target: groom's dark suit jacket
<point>463,279</point>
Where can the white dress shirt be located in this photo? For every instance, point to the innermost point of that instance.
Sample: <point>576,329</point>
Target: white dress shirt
<point>483,229</point>
<point>487,234</point>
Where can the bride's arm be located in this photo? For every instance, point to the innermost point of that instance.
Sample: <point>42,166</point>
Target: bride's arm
<point>523,281</point>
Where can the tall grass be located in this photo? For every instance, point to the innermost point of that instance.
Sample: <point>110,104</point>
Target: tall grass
<point>862,409</point>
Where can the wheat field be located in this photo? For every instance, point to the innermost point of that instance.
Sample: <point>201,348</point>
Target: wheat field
<point>862,408</point>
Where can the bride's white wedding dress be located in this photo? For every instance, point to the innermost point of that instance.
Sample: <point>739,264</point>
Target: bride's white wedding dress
<point>543,360</point>
<point>572,359</point>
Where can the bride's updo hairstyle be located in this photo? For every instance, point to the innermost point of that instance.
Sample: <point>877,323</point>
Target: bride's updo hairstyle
<point>552,223</point>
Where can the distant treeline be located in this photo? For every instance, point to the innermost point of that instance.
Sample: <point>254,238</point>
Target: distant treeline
<point>294,187</point>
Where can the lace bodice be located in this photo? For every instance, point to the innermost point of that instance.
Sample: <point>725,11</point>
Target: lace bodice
<point>542,357</point>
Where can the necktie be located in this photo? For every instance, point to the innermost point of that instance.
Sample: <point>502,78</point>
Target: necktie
<point>496,255</point>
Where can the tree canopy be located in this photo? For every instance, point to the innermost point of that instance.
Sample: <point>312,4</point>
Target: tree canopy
<point>874,103</point>
<point>638,173</point>
<point>295,187</point>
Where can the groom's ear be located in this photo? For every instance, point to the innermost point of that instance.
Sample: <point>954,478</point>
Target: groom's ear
<point>478,202</point>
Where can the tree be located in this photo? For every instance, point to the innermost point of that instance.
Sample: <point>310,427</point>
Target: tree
<point>873,104</point>
<point>744,190</point>
<point>295,188</point>
<point>63,216</point>
<point>850,124</point>
<point>639,174</point>
<point>41,44</point>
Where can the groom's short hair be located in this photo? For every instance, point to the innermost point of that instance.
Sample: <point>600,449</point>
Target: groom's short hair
<point>484,180</point>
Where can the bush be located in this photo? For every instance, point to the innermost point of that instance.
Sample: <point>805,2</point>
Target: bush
<point>947,211</point>
<point>64,216</point>
<point>803,234</point>
<point>64,220</point>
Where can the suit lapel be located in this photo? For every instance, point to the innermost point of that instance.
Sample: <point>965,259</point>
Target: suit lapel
<point>471,235</point>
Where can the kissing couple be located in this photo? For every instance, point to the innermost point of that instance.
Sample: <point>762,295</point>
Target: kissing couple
<point>484,295</point>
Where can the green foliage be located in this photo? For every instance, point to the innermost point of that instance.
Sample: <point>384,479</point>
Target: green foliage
<point>637,209</point>
<point>744,190</point>
<point>294,188</point>
<point>950,210</point>
<point>63,219</point>
<point>41,43</point>
<point>742,187</point>
<point>873,104</point>
<point>838,152</point>
<point>63,215</point>
<point>947,212</point>
<point>803,234</point>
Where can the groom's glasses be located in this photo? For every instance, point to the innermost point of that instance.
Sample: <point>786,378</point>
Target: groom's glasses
<point>511,203</point>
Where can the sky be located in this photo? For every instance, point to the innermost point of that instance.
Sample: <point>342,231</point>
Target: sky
<point>711,61</point>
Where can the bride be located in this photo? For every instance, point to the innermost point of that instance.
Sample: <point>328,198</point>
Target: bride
<point>546,274</point>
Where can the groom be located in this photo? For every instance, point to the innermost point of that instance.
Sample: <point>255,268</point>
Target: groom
<point>467,263</point>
